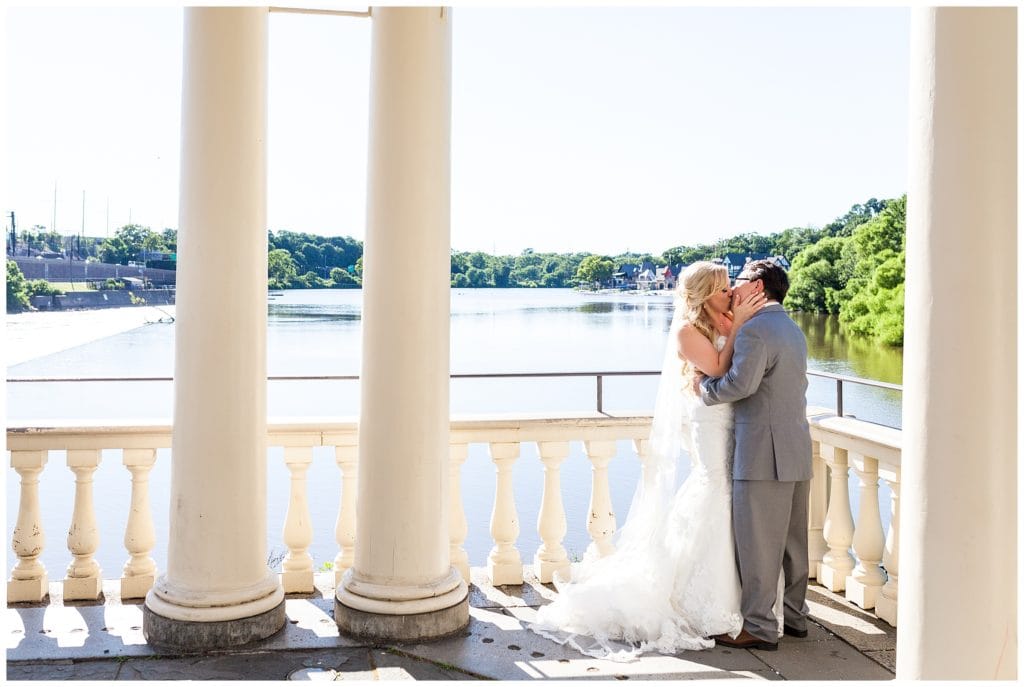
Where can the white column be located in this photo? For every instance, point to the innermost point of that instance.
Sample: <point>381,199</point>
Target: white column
<point>345,525</point>
<point>600,514</point>
<point>504,564</point>
<point>139,571</point>
<point>816,512</point>
<point>866,578</point>
<point>297,567</point>
<point>402,584</point>
<point>551,558</point>
<point>837,562</point>
<point>958,557</point>
<point>888,598</point>
<point>28,579</point>
<point>84,579</point>
<point>458,528</point>
<point>216,559</point>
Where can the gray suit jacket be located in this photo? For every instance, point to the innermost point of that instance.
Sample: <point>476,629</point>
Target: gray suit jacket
<point>767,383</point>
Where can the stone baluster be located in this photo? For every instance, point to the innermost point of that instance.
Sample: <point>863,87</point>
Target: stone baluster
<point>867,577</point>
<point>551,557</point>
<point>28,579</point>
<point>139,571</point>
<point>347,458</point>
<point>600,515</point>
<point>458,528</point>
<point>837,562</point>
<point>297,568</point>
<point>84,578</point>
<point>817,508</point>
<point>504,564</point>
<point>885,604</point>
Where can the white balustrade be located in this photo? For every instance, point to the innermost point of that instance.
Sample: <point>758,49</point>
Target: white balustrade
<point>816,512</point>
<point>346,456</point>
<point>139,571</point>
<point>867,577</point>
<point>600,515</point>
<point>297,567</point>
<point>885,605</point>
<point>837,562</point>
<point>28,579</point>
<point>551,557</point>
<point>504,566</point>
<point>84,577</point>
<point>838,443</point>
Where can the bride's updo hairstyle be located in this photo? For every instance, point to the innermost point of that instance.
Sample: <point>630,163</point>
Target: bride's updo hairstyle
<point>699,282</point>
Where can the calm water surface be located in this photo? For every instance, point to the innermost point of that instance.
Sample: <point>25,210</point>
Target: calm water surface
<point>319,333</point>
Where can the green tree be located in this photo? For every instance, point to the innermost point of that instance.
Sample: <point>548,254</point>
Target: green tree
<point>815,277</point>
<point>17,288</point>
<point>281,269</point>
<point>341,279</point>
<point>595,269</point>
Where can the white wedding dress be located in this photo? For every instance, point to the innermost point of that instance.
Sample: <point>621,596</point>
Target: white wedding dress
<point>672,587</point>
<point>672,581</point>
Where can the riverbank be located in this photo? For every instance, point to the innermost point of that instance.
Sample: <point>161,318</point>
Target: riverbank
<point>31,335</point>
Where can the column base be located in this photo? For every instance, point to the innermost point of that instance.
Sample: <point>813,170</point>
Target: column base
<point>861,594</point>
<point>82,588</point>
<point>189,635</point>
<point>505,573</point>
<point>136,587</point>
<point>34,591</point>
<point>885,608</point>
<point>545,570</point>
<point>297,581</point>
<point>832,579</point>
<point>414,627</point>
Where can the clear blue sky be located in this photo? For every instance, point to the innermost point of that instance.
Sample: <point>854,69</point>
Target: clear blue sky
<point>598,129</point>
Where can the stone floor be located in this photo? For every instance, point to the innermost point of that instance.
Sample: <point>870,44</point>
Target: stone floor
<point>104,642</point>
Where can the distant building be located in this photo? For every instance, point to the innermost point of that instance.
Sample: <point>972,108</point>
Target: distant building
<point>734,262</point>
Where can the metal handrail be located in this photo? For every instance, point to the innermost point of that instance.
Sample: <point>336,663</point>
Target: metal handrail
<point>598,375</point>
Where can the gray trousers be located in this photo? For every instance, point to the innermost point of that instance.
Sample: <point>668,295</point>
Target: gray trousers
<point>770,526</point>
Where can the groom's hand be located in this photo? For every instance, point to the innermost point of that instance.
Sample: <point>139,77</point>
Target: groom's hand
<point>698,377</point>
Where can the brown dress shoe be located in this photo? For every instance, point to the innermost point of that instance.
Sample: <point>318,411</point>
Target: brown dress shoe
<point>745,640</point>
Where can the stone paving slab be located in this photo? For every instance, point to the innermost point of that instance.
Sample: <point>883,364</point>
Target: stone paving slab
<point>104,642</point>
<point>860,628</point>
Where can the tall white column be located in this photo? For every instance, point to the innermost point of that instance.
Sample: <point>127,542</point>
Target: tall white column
<point>402,584</point>
<point>218,590</point>
<point>958,547</point>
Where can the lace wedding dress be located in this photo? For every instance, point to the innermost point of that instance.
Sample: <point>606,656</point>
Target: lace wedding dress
<point>672,581</point>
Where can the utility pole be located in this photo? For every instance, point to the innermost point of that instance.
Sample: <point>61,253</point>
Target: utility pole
<point>14,236</point>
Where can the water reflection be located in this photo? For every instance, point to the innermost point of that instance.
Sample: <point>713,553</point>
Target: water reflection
<point>834,349</point>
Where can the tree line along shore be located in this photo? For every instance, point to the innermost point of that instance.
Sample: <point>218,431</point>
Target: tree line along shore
<point>852,267</point>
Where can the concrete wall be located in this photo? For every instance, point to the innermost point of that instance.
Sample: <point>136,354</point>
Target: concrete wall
<point>66,270</point>
<point>103,299</point>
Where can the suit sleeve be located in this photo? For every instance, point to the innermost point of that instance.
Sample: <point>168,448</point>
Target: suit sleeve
<point>749,362</point>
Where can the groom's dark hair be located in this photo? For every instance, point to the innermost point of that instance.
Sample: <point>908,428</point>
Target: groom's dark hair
<point>774,278</point>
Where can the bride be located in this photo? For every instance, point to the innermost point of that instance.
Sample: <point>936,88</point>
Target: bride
<point>672,581</point>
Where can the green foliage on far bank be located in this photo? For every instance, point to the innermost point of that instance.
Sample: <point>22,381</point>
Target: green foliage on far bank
<point>858,274</point>
<point>17,288</point>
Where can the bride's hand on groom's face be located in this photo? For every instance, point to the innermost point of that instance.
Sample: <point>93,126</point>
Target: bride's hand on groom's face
<point>744,307</point>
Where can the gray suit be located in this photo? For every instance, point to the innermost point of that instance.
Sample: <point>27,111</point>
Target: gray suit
<point>767,384</point>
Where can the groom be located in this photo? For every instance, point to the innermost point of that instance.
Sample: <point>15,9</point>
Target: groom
<point>772,463</point>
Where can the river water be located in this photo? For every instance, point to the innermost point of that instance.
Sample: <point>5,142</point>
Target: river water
<point>318,332</point>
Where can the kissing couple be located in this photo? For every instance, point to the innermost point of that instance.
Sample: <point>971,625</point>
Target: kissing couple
<point>723,557</point>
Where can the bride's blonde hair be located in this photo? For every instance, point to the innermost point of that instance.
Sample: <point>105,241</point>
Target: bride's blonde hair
<point>697,283</point>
